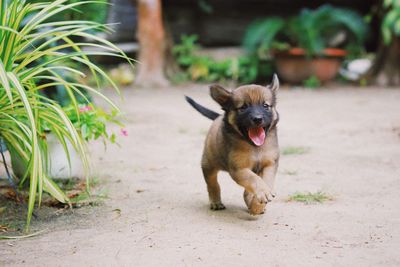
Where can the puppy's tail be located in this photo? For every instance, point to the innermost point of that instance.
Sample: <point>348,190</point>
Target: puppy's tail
<point>204,111</point>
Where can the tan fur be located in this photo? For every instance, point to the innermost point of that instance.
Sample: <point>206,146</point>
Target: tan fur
<point>252,167</point>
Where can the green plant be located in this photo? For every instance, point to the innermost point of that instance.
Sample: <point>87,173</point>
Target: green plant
<point>184,51</point>
<point>310,198</point>
<point>91,121</point>
<point>243,69</point>
<point>312,30</point>
<point>92,11</point>
<point>312,82</point>
<point>288,172</point>
<point>294,150</point>
<point>391,21</point>
<point>259,36</point>
<point>25,114</point>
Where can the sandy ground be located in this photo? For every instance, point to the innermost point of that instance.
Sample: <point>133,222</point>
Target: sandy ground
<point>154,180</point>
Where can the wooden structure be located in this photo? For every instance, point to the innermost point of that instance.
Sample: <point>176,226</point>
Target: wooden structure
<point>151,36</point>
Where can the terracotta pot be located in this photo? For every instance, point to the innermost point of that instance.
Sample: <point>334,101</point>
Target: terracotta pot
<point>294,67</point>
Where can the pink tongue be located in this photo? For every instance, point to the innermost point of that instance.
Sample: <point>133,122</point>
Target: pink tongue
<point>257,135</point>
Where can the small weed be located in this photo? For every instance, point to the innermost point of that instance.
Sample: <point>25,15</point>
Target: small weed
<point>180,77</point>
<point>287,172</point>
<point>310,198</point>
<point>94,182</point>
<point>76,191</point>
<point>84,198</point>
<point>73,183</point>
<point>312,82</point>
<point>68,184</point>
<point>363,82</point>
<point>183,130</point>
<point>294,150</point>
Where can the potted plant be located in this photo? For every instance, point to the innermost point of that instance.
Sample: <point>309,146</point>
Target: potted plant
<point>29,63</point>
<point>91,124</point>
<point>313,43</point>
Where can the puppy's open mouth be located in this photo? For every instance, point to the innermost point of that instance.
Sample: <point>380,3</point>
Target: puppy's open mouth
<point>257,135</point>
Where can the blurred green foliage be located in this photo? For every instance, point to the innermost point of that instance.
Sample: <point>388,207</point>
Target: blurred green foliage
<point>312,82</point>
<point>312,30</point>
<point>96,11</point>
<point>391,21</point>
<point>242,69</point>
<point>92,121</point>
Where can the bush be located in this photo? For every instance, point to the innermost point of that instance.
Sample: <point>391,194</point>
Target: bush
<point>243,69</point>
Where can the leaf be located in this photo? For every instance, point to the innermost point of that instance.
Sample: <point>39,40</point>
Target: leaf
<point>391,17</point>
<point>262,33</point>
<point>54,190</point>
<point>21,236</point>
<point>387,35</point>
<point>35,159</point>
<point>397,27</point>
<point>4,82</point>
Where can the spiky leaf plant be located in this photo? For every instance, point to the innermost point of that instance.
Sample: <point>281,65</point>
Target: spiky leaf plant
<point>35,48</point>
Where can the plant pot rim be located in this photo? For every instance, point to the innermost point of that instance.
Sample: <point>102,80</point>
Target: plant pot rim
<point>301,52</point>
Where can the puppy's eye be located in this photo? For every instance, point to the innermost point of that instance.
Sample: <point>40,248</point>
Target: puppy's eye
<point>243,108</point>
<point>266,106</point>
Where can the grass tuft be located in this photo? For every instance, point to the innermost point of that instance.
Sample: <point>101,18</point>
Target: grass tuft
<point>183,130</point>
<point>310,198</point>
<point>294,150</point>
<point>287,172</point>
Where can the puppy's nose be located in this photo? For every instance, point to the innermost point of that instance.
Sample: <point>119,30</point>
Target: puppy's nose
<point>257,120</point>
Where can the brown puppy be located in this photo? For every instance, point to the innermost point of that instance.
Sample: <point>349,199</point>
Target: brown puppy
<point>243,142</point>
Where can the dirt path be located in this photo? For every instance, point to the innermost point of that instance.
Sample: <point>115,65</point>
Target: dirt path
<point>154,180</point>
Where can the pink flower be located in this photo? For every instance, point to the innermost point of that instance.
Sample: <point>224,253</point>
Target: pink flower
<point>85,108</point>
<point>124,132</point>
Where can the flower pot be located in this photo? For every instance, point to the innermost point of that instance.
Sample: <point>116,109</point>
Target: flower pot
<point>58,161</point>
<point>294,66</point>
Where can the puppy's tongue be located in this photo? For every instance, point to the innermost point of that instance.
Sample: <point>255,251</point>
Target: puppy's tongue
<point>257,135</point>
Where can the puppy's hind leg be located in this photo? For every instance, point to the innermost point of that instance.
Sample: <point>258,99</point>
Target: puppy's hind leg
<point>214,191</point>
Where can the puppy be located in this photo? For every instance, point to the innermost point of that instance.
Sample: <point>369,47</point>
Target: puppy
<point>243,141</point>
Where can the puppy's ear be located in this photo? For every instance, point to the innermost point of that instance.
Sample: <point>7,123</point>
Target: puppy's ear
<point>274,86</point>
<point>221,95</point>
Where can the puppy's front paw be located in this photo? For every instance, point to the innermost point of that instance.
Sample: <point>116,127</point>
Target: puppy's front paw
<point>217,206</point>
<point>264,194</point>
<point>256,208</point>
